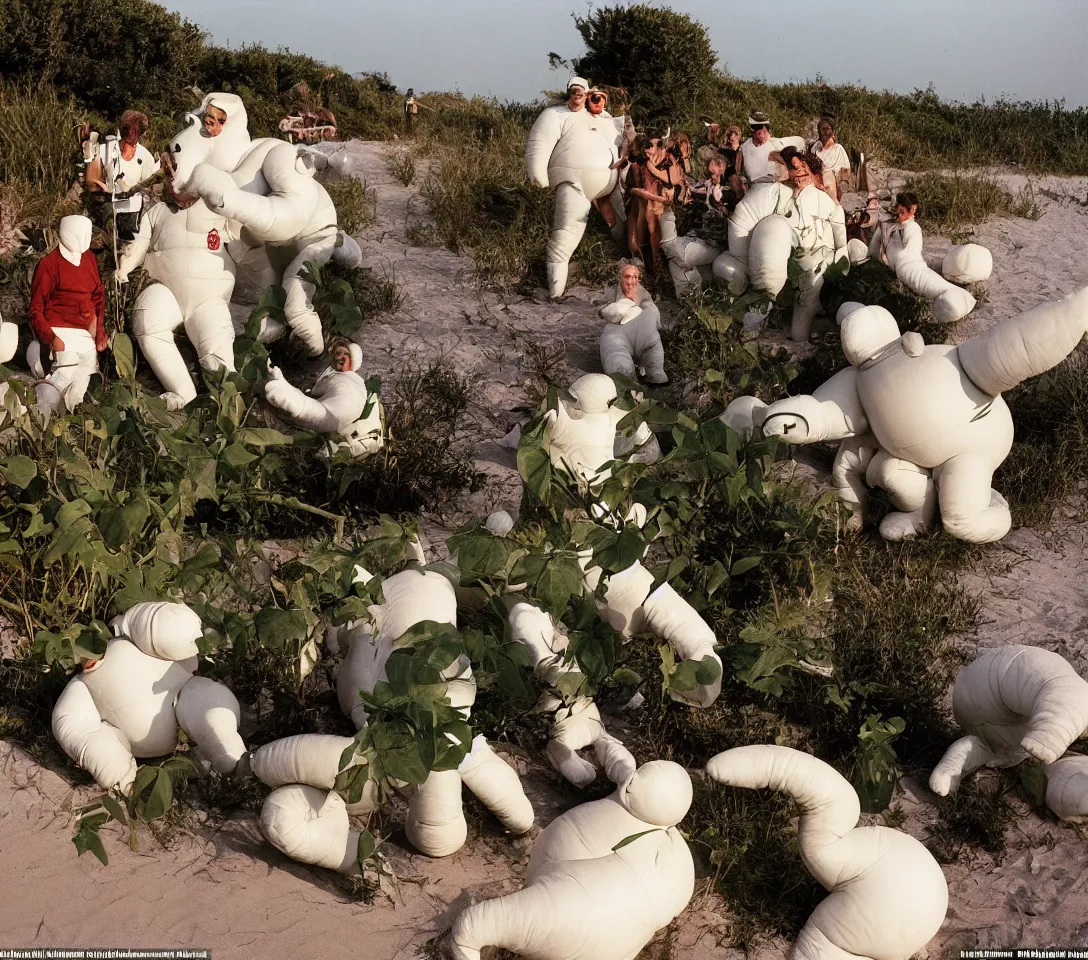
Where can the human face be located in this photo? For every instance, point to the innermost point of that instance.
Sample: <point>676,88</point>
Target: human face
<point>732,139</point>
<point>214,118</point>
<point>656,153</point>
<point>903,214</point>
<point>595,103</point>
<point>826,133</point>
<point>761,134</point>
<point>713,132</point>
<point>341,359</point>
<point>800,175</point>
<point>576,97</point>
<point>629,283</point>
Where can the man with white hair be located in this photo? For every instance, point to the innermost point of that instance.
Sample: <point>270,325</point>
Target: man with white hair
<point>574,151</point>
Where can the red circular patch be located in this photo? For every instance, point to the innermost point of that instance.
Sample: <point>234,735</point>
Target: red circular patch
<point>213,240</point>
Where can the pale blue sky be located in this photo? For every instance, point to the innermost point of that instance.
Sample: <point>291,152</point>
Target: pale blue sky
<point>1028,49</point>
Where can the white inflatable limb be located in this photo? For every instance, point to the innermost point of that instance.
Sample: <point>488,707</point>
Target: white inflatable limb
<point>9,340</point>
<point>311,826</point>
<point>303,320</point>
<point>615,759</point>
<point>948,302</point>
<point>155,318</point>
<point>834,412</point>
<point>584,899</point>
<point>912,491</point>
<point>1027,345</point>
<point>211,332</point>
<point>161,629</point>
<point>73,367</point>
<point>1019,702</point>
<point>309,758</point>
<point>92,743</point>
<point>848,473</point>
<point>634,343</point>
<point>209,713</point>
<point>544,135</point>
<point>971,509</point>
<point>572,209</point>
<point>744,414</point>
<point>436,823</point>
<point>496,784</point>
<point>576,727</point>
<point>769,251</point>
<point>1067,788</point>
<point>670,617</point>
<point>968,263</point>
<point>888,896</point>
<point>310,411</point>
<point>810,283</point>
<point>348,253</point>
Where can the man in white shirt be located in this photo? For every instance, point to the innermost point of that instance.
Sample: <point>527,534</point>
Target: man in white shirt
<point>120,165</point>
<point>756,165</point>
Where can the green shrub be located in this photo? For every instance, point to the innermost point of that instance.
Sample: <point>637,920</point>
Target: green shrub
<point>356,204</point>
<point>947,202</point>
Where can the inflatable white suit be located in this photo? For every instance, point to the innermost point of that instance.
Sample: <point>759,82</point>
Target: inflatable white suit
<point>339,405</point>
<point>603,878</point>
<point>1067,788</point>
<point>901,244</point>
<point>1016,703</point>
<point>132,702</point>
<point>582,438</point>
<point>690,259</point>
<point>911,408</point>
<point>436,822</point>
<point>572,151</point>
<point>184,251</point>
<point>887,895</point>
<point>765,229</point>
<point>631,338</point>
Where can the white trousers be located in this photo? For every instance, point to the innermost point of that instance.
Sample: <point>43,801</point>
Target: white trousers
<point>73,368</point>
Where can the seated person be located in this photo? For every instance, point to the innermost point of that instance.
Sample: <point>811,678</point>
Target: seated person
<point>119,167</point>
<point>756,165</point>
<point>832,156</point>
<point>713,199</point>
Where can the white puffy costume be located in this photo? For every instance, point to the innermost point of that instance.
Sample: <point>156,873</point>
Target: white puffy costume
<point>901,246</point>
<point>1015,703</point>
<point>631,338</point>
<point>132,702</point>
<point>887,895</point>
<point>184,251</point>
<point>766,227</point>
<point>907,408</point>
<point>339,406</point>
<point>436,822</point>
<point>602,880</point>
<point>572,151</point>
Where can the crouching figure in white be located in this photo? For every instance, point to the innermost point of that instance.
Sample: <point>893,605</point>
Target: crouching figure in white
<point>132,702</point>
<point>631,338</point>
<point>1015,703</point>
<point>775,221</point>
<point>339,405</point>
<point>182,246</point>
<point>575,152</point>
<point>887,895</point>
<point>436,823</point>
<point>909,408</point>
<point>603,878</point>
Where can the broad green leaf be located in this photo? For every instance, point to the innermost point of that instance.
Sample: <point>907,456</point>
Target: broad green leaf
<point>276,628</point>
<point>560,579</point>
<point>123,354</point>
<point>366,848</point>
<point>162,794</point>
<point>237,456</point>
<point>20,470</point>
<point>262,437</point>
<point>744,565</point>
<point>119,524</point>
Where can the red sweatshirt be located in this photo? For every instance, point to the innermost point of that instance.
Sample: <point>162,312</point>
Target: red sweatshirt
<point>66,296</point>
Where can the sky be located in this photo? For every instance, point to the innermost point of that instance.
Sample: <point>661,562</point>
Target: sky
<point>968,49</point>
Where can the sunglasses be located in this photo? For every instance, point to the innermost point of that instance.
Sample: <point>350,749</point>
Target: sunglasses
<point>597,98</point>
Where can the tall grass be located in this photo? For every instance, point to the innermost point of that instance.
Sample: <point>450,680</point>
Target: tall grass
<point>950,201</point>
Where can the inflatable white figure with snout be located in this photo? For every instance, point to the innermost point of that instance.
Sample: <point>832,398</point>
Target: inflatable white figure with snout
<point>339,406</point>
<point>901,245</point>
<point>572,151</point>
<point>887,895</point>
<point>133,701</point>
<point>436,822</point>
<point>910,408</point>
<point>603,878</point>
<point>578,725</point>
<point>1016,703</point>
<point>183,249</point>
<point>631,337</point>
<point>765,229</point>
<point>582,437</point>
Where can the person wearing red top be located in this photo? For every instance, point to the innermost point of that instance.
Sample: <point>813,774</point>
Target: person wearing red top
<point>68,315</point>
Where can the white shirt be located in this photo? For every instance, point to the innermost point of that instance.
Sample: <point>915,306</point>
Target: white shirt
<point>834,158</point>
<point>123,175</point>
<point>756,164</point>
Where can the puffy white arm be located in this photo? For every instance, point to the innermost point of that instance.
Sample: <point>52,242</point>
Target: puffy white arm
<point>309,758</point>
<point>92,743</point>
<point>436,819</point>
<point>136,249</point>
<point>1067,788</point>
<point>209,713</point>
<point>670,617</point>
<point>838,233</point>
<point>497,785</point>
<point>304,410</point>
<point>311,826</point>
<point>160,629</point>
<point>621,311</point>
<point>543,137</point>
<point>834,412</point>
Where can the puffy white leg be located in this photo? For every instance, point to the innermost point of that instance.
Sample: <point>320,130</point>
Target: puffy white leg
<point>576,727</point>
<point>311,826</point>
<point>92,743</point>
<point>303,320</point>
<point>617,350</point>
<point>769,254</point>
<point>651,352</point>
<point>732,271</point>
<point>73,368</point>
<point>670,617</point>
<point>497,786</point>
<point>965,756</point>
<point>1067,788</point>
<point>970,509</point>
<point>155,319</point>
<point>807,304</point>
<point>848,474</point>
<point>912,491</point>
<point>436,820</point>
<point>211,332</point>
<point>348,253</point>
<point>571,215</point>
<point>616,760</point>
<point>309,758</point>
<point>208,712</point>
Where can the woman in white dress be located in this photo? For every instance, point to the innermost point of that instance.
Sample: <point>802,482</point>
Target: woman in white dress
<point>832,156</point>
